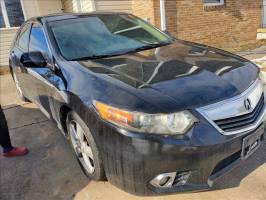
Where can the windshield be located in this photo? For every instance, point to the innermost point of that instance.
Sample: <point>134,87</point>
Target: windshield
<point>103,35</point>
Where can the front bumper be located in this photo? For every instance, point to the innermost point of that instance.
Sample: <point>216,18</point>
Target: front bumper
<point>132,160</point>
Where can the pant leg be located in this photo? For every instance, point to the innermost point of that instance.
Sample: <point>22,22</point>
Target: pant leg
<point>4,133</point>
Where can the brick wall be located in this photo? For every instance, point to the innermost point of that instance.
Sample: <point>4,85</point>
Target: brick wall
<point>144,9</point>
<point>232,25</point>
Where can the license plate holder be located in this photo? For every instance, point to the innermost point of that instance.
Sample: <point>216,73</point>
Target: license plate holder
<point>251,143</point>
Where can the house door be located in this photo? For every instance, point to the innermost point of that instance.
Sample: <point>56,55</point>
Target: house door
<point>264,13</point>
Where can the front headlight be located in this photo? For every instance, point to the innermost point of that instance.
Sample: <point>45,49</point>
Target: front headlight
<point>169,124</point>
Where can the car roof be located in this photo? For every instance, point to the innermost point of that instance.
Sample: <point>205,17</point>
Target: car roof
<point>63,16</point>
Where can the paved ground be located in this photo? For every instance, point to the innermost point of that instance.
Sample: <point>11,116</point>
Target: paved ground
<point>50,170</point>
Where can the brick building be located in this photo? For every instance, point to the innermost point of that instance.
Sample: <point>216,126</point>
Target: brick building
<point>229,23</point>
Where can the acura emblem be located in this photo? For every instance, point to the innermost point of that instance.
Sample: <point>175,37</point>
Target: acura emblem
<point>247,104</point>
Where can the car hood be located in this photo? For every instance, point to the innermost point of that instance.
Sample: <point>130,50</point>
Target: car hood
<point>190,74</point>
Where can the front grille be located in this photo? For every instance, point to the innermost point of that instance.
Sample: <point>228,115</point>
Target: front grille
<point>241,121</point>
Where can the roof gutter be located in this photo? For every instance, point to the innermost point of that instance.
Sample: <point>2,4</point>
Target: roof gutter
<point>162,14</point>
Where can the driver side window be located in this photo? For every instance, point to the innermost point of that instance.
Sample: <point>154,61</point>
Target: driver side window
<point>38,41</point>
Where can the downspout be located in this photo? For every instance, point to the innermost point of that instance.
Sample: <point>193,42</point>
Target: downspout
<point>162,14</point>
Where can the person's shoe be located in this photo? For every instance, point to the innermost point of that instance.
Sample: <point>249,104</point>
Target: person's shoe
<point>16,151</point>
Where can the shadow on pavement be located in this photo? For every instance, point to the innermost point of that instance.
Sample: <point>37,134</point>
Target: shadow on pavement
<point>50,170</point>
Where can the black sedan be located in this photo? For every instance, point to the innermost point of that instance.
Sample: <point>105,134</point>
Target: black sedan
<point>150,113</point>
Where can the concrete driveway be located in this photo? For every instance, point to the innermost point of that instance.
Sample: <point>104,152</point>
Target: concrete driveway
<point>50,170</point>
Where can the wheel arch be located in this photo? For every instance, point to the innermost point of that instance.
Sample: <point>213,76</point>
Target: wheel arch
<point>64,110</point>
<point>86,113</point>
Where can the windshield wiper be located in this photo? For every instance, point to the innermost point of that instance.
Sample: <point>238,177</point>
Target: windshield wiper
<point>146,47</point>
<point>93,57</point>
<point>149,46</point>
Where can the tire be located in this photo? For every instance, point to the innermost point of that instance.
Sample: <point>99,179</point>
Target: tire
<point>18,88</point>
<point>83,154</point>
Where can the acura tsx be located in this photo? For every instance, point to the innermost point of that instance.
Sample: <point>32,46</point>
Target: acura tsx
<point>148,112</point>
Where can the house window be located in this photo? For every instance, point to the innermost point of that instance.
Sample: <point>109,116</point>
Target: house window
<point>213,2</point>
<point>11,14</point>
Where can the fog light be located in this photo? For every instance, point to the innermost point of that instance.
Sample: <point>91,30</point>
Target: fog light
<point>164,180</point>
<point>181,178</point>
<point>172,179</point>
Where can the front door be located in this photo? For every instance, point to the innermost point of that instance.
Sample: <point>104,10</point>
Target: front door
<point>40,78</point>
<point>20,71</point>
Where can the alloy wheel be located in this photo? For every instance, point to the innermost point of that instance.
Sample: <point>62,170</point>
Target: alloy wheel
<point>81,146</point>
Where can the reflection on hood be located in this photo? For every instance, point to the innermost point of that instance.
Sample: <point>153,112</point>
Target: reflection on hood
<point>175,61</point>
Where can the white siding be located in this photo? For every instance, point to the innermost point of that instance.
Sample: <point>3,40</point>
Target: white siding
<point>86,5</point>
<point>68,5</point>
<point>114,5</point>
<point>77,5</point>
<point>100,5</point>
<point>33,8</point>
<point>6,38</point>
<point>30,7</point>
<point>49,6</point>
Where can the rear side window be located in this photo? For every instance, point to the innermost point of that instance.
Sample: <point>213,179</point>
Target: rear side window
<point>38,41</point>
<point>23,38</point>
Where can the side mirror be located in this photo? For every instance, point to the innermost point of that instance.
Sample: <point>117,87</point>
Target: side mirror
<point>33,59</point>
